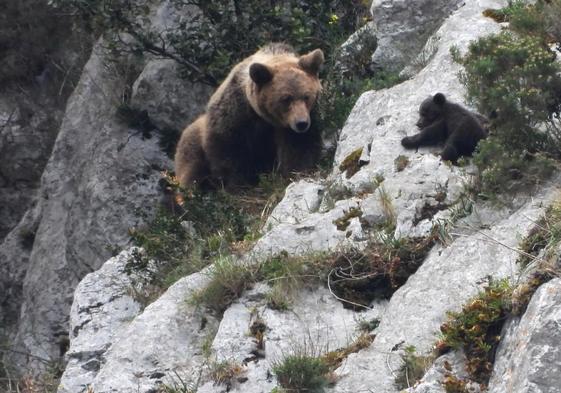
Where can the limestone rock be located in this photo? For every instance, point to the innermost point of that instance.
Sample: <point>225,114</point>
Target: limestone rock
<point>300,199</point>
<point>529,357</point>
<point>98,180</point>
<point>166,339</point>
<point>403,26</point>
<point>171,102</point>
<point>103,305</point>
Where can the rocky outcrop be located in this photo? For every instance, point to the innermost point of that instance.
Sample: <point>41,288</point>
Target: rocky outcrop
<point>101,179</point>
<point>529,357</point>
<point>104,304</point>
<point>413,190</point>
<point>402,28</point>
<point>83,193</point>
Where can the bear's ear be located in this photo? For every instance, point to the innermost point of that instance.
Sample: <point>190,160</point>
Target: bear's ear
<point>260,73</point>
<point>311,62</point>
<point>439,99</point>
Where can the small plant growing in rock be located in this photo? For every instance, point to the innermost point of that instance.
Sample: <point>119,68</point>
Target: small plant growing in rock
<point>453,384</point>
<point>343,222</point>
<point>388,210</point>
<point>285,275</point>
<point>367,326</point>
<point>351,164</point>
<point>477,328</point>
<point>401,163</point>
<point>228,280</point>
<point>226,373</point>
<point>334,359</point>
<point>413,368</point>
<point>302,372</point>
<point>546,234</point>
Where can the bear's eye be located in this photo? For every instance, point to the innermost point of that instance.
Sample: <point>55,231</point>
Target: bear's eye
<point>286,99</point>
<point>307,97</point>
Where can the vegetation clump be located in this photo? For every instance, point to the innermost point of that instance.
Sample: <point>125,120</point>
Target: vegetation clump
<point>334,359</point>
<point>514,78</point>
<point>351,164</point>
<point>204,227</point>
<point>302,373</point>
<point>226,373</point>
<point>413,368</point>
<point>309,370</point>
<point>453,384</point>
<point>476,329</point>
<point>546,234</point>
<point>343,222</point>
<point>355,277</point>
<point>359,276</point>
<point>401,163</point>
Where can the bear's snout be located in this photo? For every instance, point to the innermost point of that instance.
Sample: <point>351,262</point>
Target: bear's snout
<point>302,126</point>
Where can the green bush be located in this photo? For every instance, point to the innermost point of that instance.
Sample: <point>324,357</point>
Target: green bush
<point>514,78</point>
<point>302,373</point>
<point>209,42</point>
<point>477,328</point>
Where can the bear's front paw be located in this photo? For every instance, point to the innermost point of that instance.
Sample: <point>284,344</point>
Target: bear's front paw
<point>409,142</point>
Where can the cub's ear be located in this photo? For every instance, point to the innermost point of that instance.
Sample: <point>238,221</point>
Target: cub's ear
<point>439,99</point>
<point>311,62</point>
<point>260,73</point>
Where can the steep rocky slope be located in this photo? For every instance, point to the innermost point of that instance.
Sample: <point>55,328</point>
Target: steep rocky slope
<point>120,347</point>
<point>60,285</point>
<point>101,179</point>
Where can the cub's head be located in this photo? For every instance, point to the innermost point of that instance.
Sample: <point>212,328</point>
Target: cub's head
<point>431,110</point>
<point>285,90</point>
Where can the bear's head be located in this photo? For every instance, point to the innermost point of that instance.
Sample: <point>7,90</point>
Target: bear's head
<point>286,90</point>
<point>431,110</point>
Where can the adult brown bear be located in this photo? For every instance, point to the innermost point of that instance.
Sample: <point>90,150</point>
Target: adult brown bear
<point>258,119</point>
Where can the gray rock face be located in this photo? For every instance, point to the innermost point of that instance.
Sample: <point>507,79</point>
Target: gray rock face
<point>100,180</point>
<point>27,134</point>
<point>356,53</point>
<point>403,26</point>
<point>529,356</point>
<point>102,306</point>
<point>171,102</point>
<point>165,341</point>
<point>301,199</point>
<point>87,205</point>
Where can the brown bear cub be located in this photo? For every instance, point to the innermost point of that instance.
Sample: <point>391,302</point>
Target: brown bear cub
<point>257,120</point>
<point>442,121</point>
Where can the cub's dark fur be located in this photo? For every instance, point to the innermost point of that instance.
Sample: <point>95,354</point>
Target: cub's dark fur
<point>443,121</point>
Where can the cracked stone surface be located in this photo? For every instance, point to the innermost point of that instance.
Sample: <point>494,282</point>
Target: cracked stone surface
<point>165,341</point>
<point>529,356</point>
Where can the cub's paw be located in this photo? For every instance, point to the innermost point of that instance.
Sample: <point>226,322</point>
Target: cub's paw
<point>410,142</point>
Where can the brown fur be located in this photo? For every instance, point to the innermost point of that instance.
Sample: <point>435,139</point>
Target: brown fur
<point>258,118</point>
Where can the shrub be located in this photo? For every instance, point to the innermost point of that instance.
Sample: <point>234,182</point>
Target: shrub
<point>204,227</point>
<point>228,280</point>
<point>413,368</point>
<point>515,79</point>
<point>302,373</point>
<point>477,328</point>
